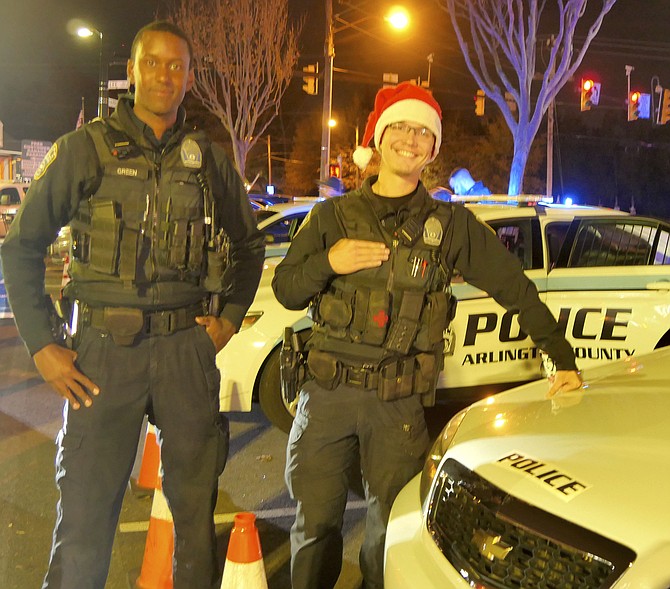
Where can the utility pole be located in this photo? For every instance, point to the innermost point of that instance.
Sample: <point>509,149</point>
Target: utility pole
<point>329,53</point>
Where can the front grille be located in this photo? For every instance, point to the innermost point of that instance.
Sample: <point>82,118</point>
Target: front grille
<point>499,542</point>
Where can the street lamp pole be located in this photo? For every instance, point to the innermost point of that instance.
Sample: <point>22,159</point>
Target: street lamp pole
<point>327,93</point>
<point>398,19</point>
<point>103,109</point>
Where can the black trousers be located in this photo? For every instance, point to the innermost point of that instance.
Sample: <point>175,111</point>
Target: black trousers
<point>176,376</point>
<point>330,429</point>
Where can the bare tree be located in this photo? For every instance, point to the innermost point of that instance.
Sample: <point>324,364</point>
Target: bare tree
<point>499,40</point>
<point>245,54</point>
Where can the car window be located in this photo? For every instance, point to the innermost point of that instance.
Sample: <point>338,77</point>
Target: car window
<point>262,214</point>
<point>9,196</point>
<point>283,229</point>
<point>555,234</point>
<point>630,242</point>
<point>517,236</point>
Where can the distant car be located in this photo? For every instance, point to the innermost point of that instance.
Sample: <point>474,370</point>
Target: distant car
<point>604,274</point>
<point>524,492</point>
<point>11,197</point>
<point>280,224</point>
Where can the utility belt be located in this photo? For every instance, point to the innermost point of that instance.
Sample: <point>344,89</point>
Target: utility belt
<point>393,378</point>
<point>126,324</point>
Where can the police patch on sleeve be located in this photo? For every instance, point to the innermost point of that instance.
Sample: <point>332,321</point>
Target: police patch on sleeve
<point>191,155</point>
<point>49,158</point>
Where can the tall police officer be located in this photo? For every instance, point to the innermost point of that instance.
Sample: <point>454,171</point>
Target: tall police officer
<point>374,265</point>
<point>148,201</point>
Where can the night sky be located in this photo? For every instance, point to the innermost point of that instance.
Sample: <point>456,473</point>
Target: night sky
<point>44,71</point>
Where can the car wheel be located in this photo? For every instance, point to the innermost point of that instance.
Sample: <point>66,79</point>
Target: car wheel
<point>270,397</point>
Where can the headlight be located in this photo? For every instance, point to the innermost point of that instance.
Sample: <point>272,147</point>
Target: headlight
<point>438,450</point>
<point>250,319</point>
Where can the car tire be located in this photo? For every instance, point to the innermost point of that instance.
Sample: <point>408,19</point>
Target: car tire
<point>269,394</point>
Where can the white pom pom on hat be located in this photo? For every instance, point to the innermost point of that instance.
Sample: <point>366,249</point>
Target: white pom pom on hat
<point>362,156</point>
<point>404,102</point>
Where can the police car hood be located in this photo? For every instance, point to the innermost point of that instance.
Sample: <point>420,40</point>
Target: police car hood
<point>599,457</point>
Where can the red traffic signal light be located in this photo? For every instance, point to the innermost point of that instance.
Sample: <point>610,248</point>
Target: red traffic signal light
<point>335,170</point>
<point>633,106</point>
<point>639,105</point>
<point>590,94</point>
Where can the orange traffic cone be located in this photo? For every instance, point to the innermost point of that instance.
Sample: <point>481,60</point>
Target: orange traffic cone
<point>157,562</point>
<point>244,567</point>
<point>149,476</point>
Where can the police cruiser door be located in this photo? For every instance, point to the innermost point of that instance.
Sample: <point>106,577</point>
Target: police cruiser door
<point>489,348</point>
<point>610,287</point>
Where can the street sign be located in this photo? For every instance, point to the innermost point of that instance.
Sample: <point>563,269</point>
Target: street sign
<point>389,80</point>
<point>118,85</point>
<point>32,154</point>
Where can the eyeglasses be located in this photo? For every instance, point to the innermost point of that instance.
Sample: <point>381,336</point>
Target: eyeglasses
<point>419,132</point>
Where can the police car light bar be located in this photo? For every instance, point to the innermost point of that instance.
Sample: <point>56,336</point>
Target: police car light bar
<point>505,199</point>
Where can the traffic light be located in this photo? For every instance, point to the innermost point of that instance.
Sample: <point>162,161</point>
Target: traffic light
<point>639,105</point>
<point>633,106</point>
<point>334,170</point>
<point>310,79</point>
<point>480,103</point>
<point>590,94</point>
<point>664,107</point>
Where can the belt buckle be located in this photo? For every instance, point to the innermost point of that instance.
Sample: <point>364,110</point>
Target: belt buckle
<point>160,322</point>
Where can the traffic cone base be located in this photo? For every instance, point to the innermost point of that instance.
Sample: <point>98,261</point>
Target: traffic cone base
<point>244,568</point>
<point>238,575</point>
<point>157,562</point>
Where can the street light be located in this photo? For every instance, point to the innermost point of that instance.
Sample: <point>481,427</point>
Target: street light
<point>86,31</point>
<point>398,18</point>
<point>393,17</point>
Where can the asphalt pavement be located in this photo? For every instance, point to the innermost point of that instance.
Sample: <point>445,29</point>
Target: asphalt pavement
<point>30,417</point>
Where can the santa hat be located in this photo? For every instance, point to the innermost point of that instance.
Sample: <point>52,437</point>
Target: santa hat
<point>404,102</point>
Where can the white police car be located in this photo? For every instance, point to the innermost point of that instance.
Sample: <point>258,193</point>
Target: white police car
<point>603,273</point>
<point>524,492</point>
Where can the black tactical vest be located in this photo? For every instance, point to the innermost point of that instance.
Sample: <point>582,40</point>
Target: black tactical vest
<point>399,309</point>
<point>146,222</point>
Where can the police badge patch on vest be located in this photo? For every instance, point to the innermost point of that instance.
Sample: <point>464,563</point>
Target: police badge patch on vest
<point>191,155</point>
<point>432,232</point>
